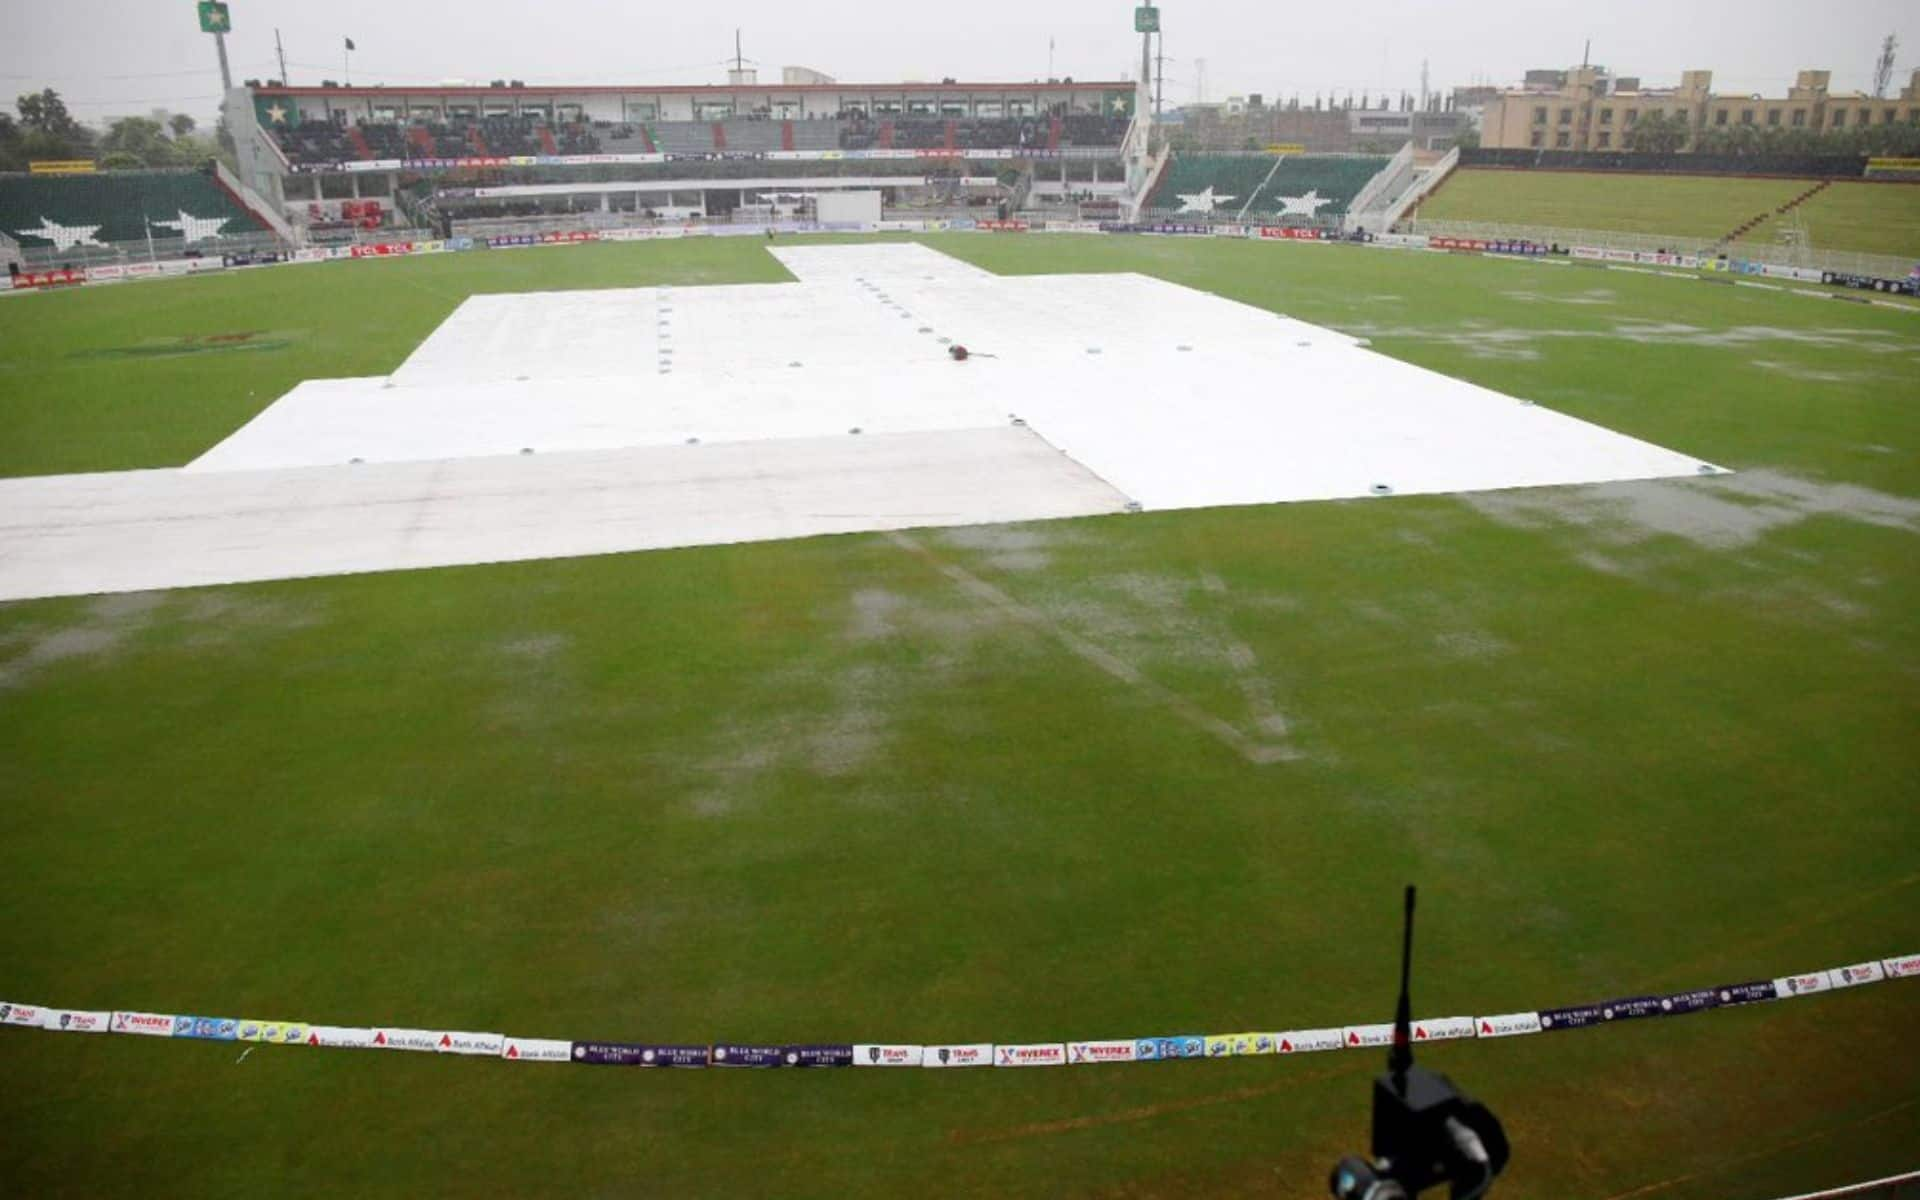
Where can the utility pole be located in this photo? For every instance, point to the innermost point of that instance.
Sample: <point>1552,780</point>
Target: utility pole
<point>281,51</point>
<point>1160,72</point>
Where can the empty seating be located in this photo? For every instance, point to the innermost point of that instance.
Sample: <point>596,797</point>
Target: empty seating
<point>1233,178</point>
<point>1309,186</point>
<point>63,211</point>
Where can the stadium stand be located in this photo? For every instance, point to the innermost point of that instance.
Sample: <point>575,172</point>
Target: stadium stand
<point>320,144</point>
<point>117,206</point>
<point>314,143</point>
<point>1259,185</point>
<point>684,137</point>
<point>1235,176</point>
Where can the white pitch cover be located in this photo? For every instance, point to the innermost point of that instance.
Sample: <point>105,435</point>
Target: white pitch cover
<point>536,1050</point>
<point>1440,1029</point>
<point>973,1054</point>
<point>1355,1036</point>
<point>1789,986</point>
<point>143,1023</point>
<point>488,1044</point>
<point>1031,1054</point>
<point>1087,1053</point>
<point>548,425</point>
<point>883,1054</point>
<point>1306,1041</point>
<point>1857,974</point>
<point>1507,1025</point>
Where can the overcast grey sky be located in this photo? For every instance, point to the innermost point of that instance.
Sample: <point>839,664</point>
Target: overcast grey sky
<point>111,57</point>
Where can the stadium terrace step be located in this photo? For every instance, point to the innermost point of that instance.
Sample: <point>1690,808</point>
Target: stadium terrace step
<point>1259,185</point>
<point>63,211</point>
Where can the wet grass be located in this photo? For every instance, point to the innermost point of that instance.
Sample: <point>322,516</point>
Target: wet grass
<point>813,791</point>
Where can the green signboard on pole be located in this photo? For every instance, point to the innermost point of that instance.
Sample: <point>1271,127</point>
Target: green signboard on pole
<point>1146,19</point>
<point>213,17</point>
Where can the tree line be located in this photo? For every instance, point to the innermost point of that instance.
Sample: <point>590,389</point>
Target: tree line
<point>44,130</point>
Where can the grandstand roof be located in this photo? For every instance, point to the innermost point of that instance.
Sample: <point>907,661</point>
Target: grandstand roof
<point>677,89</point>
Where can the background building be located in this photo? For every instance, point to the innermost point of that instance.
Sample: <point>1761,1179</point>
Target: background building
<point>1587,108</point>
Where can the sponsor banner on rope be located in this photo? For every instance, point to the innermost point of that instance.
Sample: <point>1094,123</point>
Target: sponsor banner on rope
<point>29,1015</point>
<point>536,1050</point>
<point>1857,974</point>
<point>1307,1041</point>
<point>67,1020</point>
<point>1086,1053</point>
<point>426,1041</point>
<point>1633,1008</point>
<point>975,1054</point>
<point>881,1054</point>
<point>340,1037</point>
<point>1506,1025</point>
<point>207,1029</point>
<point>1757,992</point>
<point>1904,967</point>
<point>284,1033</point>
<point>611,1054</point>
<point>1441,1029</point>
<point>1230,1045</point>
<point>1355,1036</point>
<point>488,1044</point>
<point>1577,1017</point>
<point>1031,1054</point>
<point>733,1054</point>
<point>818,1056</point>
<point>146,1024</point>
<point>1680,1004</point>
<point>633,1054</point>
<point>1802,985</point>
<point>1185,1045</point>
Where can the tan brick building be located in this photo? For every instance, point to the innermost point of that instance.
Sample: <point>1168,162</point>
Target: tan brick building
<point>1586,108</point>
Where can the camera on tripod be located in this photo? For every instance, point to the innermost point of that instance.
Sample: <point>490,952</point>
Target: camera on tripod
<point>1425,1130</point>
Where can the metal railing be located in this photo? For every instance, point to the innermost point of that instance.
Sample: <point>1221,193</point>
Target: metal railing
<point>41,258</point>
<point>1848,262</point>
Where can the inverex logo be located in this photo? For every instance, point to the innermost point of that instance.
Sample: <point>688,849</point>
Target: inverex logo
<point>1080,1053</point>
<point>1039,1054</point>
<point>148,1024</point>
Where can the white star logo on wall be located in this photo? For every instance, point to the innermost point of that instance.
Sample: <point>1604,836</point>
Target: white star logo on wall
<point>192,228</point>
<point>1308,206</point>
<point>63,237</point>
<point>1202,202</point>
<point>276,114</point>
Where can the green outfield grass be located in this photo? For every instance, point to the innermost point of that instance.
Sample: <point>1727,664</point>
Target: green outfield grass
<point>1872,218</point>
<point>1628,739</point>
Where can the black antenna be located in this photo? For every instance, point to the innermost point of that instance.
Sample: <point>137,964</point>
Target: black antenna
<point>1400,1058</point>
